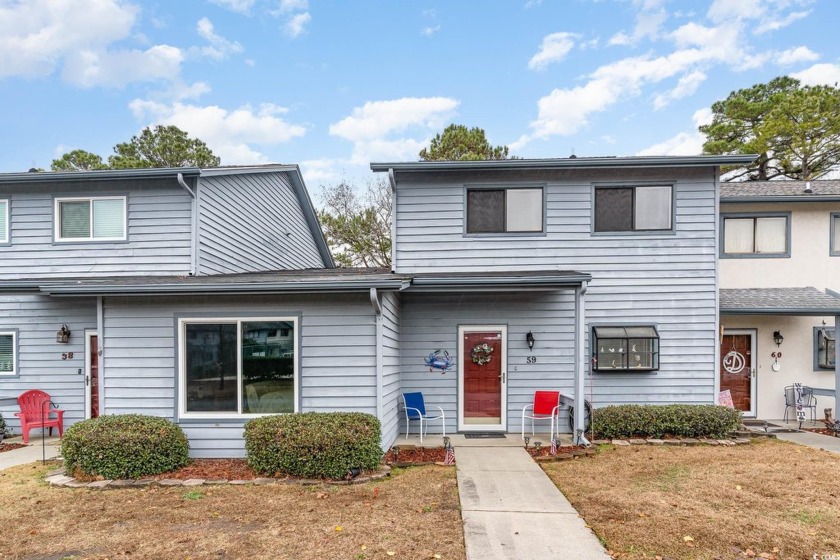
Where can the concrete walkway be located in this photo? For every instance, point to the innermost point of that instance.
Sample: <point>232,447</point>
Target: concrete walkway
<point>817,441</point>
<point>30,453</point>
<point>512,510</point>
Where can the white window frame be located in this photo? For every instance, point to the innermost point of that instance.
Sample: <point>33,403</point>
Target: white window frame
<point>90,237</point>
<point>182,365</point>
<point>5,233</point>
<point>14,336</point>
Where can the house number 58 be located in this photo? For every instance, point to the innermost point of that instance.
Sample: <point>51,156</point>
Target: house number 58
<point>531,360</point>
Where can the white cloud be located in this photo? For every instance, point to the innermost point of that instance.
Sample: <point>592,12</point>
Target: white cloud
<point>219,47</point>
<point>231,134</point>
<point>648,24</point>
<point>372,127</point>
<point>688,143</point>
<point>289,6</point>
<point>296,25</point>
<point>819,74</point>
<point>686,86</point>
<point>41,37</point>
<point>769,15</point>
<point>798,54</point>
<point>771,24</point>
<point>428,31</point>
<point>554,48</point>
<point>238,6</point>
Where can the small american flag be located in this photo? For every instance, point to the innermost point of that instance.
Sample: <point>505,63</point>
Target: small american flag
<point>449,457</point>
<point>553,446</point>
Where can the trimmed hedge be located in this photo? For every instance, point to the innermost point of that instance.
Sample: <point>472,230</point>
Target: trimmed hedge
<point>313,444</point>
<point>2,423</point>
<point>124,446</point>
<point>633,420</point>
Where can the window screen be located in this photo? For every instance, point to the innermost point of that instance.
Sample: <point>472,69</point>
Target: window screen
<point>485,211</point>
<point>4,221</point>
<point>613,209</point>
<point>511,210</point>
<point>75,219</point>
<point>7,353</point>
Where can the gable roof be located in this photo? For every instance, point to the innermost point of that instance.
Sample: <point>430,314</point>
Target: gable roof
<point>780,191</point>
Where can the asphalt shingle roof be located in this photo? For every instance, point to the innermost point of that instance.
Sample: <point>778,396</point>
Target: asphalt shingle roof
<point>758,189</point>
<point>780,301</point>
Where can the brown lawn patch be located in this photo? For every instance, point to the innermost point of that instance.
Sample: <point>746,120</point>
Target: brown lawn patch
<point>703,502</point>
<point>414,514</point>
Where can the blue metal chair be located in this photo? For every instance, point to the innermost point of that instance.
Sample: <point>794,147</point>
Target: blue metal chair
<point>415,409</point>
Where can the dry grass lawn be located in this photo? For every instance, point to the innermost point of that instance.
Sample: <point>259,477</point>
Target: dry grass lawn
<point>415,514</point>
<point>770,497</point>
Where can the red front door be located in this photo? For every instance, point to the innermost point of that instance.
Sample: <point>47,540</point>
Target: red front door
<point>93,353</point>
<point>736,369</point>
<point>482,367</point>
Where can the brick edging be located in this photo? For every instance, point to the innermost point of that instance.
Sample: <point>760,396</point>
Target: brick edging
<point>59,479</point>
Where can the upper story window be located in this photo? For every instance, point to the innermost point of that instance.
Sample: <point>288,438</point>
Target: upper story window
<point>8,352</point>
<point>835,234</point>
<point>507,210</point>
<point>90,219</point>
<point>632,209</point>
<point>760,235</point>
<point>630,348</point>
<point>232,367</point>
<point>4,221</point>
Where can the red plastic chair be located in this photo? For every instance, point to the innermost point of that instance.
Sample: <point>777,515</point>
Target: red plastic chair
<point>546,406</point>
<point>36,412</point>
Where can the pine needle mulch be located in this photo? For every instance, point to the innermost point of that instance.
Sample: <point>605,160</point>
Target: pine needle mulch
<point>414,514</point>
<point>769,499</point>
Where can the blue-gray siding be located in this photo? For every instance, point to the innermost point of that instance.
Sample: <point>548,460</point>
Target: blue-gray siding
<point>159,232</point>
<point>37,318</point>
<point>337,357</point>
<point>668,280</point>
<point>391,367</point>
<point>252,222</point>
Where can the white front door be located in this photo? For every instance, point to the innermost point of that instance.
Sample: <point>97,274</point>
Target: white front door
<point>482,378</point>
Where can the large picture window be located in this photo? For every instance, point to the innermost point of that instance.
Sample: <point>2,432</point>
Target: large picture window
<point>8,353</point>
<point>756,236</point>
<point>4,221</point>
<point>631,348</point>
<point>90,219</point>
<point>233,367</point>
<point>630,209</point>
<point>513,210</point>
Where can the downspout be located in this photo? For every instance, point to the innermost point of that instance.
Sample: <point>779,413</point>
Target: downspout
<point>392,177</point>
<point>100,344</point>
<point>580,365</point>
<point>193,225</point>
<point>380,358</point>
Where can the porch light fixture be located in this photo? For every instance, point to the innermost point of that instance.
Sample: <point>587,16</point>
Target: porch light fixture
<point>529,338</point>
<point>63,335</point>
<point>778,338</point>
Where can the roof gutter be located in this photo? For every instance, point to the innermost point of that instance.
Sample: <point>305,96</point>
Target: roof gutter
<point>489,283</point>
<point>807,311</point>
<point>103,175</point>
<point>779,198</point>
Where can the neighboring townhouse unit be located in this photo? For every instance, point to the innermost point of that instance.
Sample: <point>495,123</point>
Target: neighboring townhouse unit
<point>779,270</point>
<point>207,296</point>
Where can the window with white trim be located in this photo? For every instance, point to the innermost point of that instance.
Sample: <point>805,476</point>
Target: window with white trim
<point>633,209</point>
<point>755,235</point>
<point>100,218</point>
<point>505,210</point>
<point>630,348</point>
<point>8,353</point>
<point>233,367</point>
<point>4,221</point>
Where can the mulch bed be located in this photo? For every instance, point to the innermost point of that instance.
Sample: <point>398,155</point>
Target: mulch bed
<point>416,456</point>
<point>824,431</point>
<point>10,446</point>
<point>212,469</point>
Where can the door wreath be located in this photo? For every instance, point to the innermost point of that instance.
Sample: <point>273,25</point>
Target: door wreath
<point>481,354</point>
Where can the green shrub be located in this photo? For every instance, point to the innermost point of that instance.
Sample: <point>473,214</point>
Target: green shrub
<point>633,420</point>
<point>2,423</point>
<point>313,444</point>
<point>124,446</point>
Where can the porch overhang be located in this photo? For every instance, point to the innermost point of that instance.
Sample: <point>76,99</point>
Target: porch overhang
<point>538,280</point>
<point>779,301</point>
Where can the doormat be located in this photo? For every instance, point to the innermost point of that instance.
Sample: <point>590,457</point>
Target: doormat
<point>759,423</point>
<point>484,435</point>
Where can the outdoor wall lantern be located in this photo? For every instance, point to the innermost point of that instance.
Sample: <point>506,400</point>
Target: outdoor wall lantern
<point>529,338</point>
<point>778,338</point>
<point>63,335</point>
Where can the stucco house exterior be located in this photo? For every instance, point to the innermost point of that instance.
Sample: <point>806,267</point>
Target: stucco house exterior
<point>208,296</point>
<point>779,274</point>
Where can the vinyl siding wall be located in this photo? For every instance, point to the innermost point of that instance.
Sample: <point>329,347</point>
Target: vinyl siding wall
<point>391,367</point>
<point>664,279</point>
<point>158,242</point>
<point>37,318</point>
<point>252,222</point>
<point>337,357</point>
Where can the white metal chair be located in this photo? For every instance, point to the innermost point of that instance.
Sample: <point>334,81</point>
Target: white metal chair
<point>415,409</point>
<point>808,400</point>
<point>546,406</point>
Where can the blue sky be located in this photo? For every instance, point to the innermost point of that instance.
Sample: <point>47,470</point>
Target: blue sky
<point>335,85</point>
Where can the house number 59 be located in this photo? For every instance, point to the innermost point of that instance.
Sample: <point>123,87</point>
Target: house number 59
<point>531,360</point>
